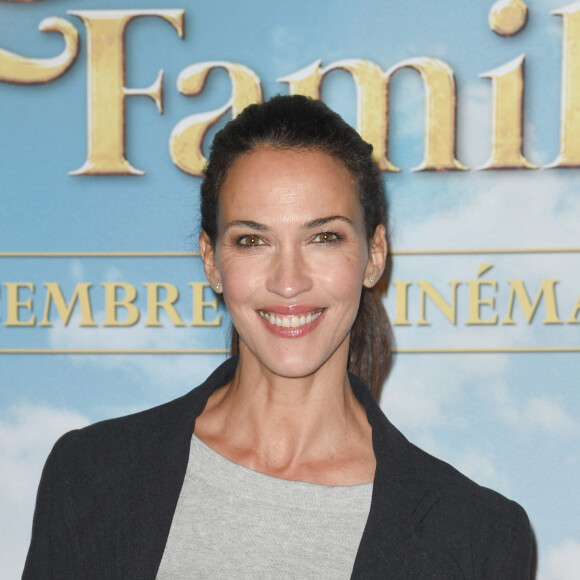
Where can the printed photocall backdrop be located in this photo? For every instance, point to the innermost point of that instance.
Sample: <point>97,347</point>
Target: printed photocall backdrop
<point>473,109</point>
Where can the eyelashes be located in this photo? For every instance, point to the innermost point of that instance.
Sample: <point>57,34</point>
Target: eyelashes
<point>327,237</point>
<point>249,241</point>
<point>253,240</point>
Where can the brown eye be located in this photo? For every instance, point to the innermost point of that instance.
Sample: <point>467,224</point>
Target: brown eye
<point>326,237</point>
<point>250,240</point>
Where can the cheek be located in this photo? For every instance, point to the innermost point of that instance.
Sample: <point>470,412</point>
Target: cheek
<point>240,282</point>
<point>343,279</point>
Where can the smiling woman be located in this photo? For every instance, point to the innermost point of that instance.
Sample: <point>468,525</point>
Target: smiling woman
<point>308,129</point>
<point>292,245</point>
<point>282,464</point>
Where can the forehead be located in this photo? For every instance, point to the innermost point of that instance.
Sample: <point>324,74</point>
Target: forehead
<point>288,184</point>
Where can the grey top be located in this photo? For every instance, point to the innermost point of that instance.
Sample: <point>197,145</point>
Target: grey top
<point>233,522</point>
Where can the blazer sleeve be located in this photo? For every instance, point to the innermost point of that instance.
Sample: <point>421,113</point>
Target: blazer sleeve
<point>510,554</point>
<point>53,552</point>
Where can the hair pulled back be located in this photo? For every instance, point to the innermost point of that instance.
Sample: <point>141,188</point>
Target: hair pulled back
<point>297,122</point>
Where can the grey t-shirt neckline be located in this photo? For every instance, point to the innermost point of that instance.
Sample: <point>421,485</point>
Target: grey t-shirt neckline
<point>244,482</point>
<point>233,522</point>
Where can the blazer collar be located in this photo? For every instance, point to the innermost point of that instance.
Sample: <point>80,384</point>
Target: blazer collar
<point>156,477</point>
<point>391,543</point>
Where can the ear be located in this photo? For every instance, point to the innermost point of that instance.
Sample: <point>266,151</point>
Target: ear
<point>207,253</point>
<point>378,250</point>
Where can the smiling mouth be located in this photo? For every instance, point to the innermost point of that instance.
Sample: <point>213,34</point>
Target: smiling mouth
<point>290,321</point>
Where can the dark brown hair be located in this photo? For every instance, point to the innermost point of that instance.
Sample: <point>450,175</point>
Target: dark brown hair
<point>297,122</point>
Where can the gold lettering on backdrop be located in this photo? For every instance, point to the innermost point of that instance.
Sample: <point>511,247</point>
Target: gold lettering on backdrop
<point>475,299</point>
<point>80,295</point>
<point>118,302</point>
<point>200,304</point>
<point>440,107</point>
<point>401,301</point>
<point>154,303</point>
<point>569,155</point>
<point>547,290</point>
<point>19,69</point>
<point>507,17</point>
<point>507,82</point>
<point>107,93</point>
<point>186,140</point>
<point>371,99</point>
<point>372,87</point>
<point>574,316</point>
<point>448,309</point>
<point>15,304</point>
<point>113,303</point>
<point>106,87</point>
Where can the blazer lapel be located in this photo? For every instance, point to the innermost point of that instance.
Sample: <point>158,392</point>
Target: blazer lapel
<point>391,545</point>
<point>155,482</point>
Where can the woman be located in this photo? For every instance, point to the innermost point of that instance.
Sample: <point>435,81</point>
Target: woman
<point>281,464</point>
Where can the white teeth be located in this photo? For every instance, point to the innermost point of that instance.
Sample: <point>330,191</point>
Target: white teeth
<point>289,321</point>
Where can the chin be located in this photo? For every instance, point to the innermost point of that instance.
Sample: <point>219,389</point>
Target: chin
<point>292,364</point>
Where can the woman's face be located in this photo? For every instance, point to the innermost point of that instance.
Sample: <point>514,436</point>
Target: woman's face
<point>291,257</point>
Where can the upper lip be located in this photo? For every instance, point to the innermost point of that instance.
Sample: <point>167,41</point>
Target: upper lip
<point>291,309</point>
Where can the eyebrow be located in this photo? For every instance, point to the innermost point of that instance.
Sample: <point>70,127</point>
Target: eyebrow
<point>325,220</point>
<point>247,224</point>
<point>318,222</point>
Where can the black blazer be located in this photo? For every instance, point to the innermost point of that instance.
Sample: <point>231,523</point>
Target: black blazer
<point>108,493</point>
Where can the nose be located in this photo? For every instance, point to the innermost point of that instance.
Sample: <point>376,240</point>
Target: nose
<point>289,274</point>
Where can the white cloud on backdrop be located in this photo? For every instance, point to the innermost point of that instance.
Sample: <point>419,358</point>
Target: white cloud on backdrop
<point>561,562</point>
<point>543,413</point>
<point>422,392</point>
<point>287,44</point>
<point>526,208</point>
<point>480,467</point>
<point>522,211</point>
<point>547,414</point>
<point>77,271</point>
<point>27,433</point>
<point>474,123</point>
<point>426,399</point>
<point>549,4</point>
<point>181,370</point>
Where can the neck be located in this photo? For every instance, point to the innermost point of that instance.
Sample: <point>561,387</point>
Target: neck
<point>310,428</point>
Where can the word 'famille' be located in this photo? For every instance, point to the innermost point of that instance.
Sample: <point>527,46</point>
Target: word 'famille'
<point>107,93</point>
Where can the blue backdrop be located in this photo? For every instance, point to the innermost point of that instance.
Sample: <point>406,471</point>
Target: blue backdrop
<point>486,280</point>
